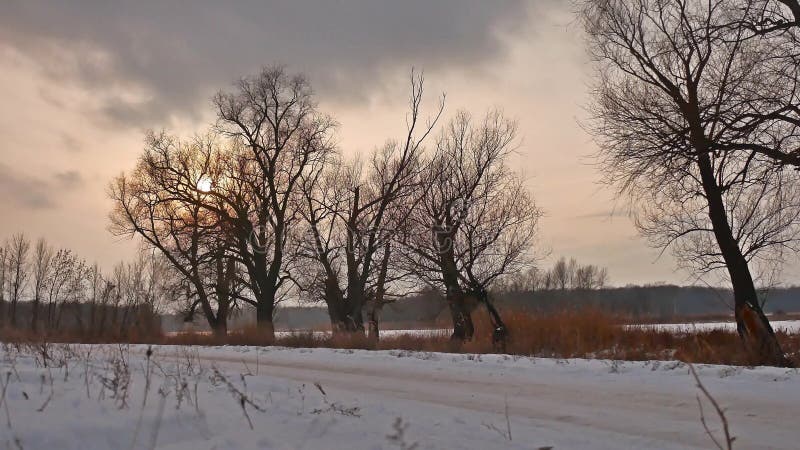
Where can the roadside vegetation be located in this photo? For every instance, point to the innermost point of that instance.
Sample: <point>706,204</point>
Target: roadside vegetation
<point>579,333</point>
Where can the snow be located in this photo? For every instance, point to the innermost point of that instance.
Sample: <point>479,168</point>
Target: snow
<point>789,326</point>
<point>435,332</point>
<point>440,401</point>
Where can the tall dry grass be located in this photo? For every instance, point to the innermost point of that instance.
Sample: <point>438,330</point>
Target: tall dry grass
<point>573,333</point>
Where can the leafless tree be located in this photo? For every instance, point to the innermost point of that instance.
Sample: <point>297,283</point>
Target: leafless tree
<point>74,297</point>
<point>354,210</point>
<point>563,273</point>
<point>18,267</point>
<point>572,275</point>
<point>41,267</point>
<point>64,267</point>
<point>166,201</point>
<point>274,119</point>
<point>139,291</point>
<point>96,284</point>
<point>529,280</point>
<point>590,277</point>
<point>475,221</point>
<point>675,81</point>
<point>3,280</point>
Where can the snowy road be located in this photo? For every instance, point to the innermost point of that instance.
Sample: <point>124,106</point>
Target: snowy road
<point>439,401</point>
<point>566,405</point>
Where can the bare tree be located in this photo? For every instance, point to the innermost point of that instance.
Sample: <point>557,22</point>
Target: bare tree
<point>41,267</point>
<point>64,265</point>
<point>166,201</point>
<point>96,285</point>
<point>274,118</point>
<point>354,213</point>
<point>18,268</point>
<point>475,221</point>
<point>379,296</point>
<point>73,295</point>
<point>590,277</point>
<point>3,280</point>
<point>674,77</point>
<point>563,273</point>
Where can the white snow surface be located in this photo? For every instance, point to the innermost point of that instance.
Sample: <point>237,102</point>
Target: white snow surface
<point>443,401</point>
<point>789,326</point>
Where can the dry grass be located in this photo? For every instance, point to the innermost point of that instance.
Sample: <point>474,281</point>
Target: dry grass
<point>580,333</point>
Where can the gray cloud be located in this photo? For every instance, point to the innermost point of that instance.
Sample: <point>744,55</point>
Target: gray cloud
<point>605,214</point>
<point>69,179</point>
<point>70,143</point>
<point>31,192</point>
<point>179,52</point>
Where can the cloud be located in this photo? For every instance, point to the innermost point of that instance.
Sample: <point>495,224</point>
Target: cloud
<point>69,179</point>
<point>604,214</point>
<point>30,192</point>
<point>70,143</point>
<point>150,59</point>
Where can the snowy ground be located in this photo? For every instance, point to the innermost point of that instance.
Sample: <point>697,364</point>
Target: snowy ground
<point>98,397</point>
<point>789,326</point>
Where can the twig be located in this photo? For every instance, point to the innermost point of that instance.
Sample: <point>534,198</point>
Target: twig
<point>728,443</point>
<point>508,421</point>
<point>505,433</point>
<point>49,397</point>
<point>399,436</point>
<point>3,397</point>
<point>159,417</point>
<point>244,400</point>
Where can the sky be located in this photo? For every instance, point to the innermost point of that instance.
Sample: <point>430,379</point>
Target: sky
<point>81,82</point>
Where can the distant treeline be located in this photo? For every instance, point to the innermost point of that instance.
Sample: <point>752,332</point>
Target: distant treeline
<point>663,302</point>
<point>53,290</point>
<point>656,302</point>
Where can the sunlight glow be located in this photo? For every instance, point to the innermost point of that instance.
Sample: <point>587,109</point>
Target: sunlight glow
<point>204,184</point>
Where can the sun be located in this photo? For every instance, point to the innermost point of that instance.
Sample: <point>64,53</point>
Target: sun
<point>204,184</point>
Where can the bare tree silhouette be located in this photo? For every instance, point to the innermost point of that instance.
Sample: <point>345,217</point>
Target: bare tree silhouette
<point>354,211</point>
<point>475,220</point>
<point>274,120</point>
<point>676,82</point>
<point>164,201</point>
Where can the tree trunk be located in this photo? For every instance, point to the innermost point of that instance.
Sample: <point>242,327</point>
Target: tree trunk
<point>337,308</point>
<point>35,313</point>
<point>12,312</point>
<point>220,328</point>
<point>264,323</point>
<point>355,317</point>
<point>463,328</point>
<point>751,323</point>
<point>460,312</point>
<point>499,331</point>
<point>373,317</point>
<point>378,301</point>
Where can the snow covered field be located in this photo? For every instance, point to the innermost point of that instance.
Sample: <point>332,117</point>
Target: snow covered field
<point>436,332</point>
<point>789,326</point>
<point>99,397</point>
